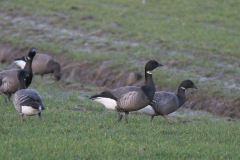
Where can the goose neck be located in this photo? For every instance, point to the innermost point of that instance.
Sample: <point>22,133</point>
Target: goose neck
<point>181,95</point>
<point>149,87</point>
<point>28,68</point>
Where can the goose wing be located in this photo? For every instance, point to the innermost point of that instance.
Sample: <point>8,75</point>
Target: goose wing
<point>29,97</point>
<point>9,81</point>
<point>165,103</point>
<point>132,101</point>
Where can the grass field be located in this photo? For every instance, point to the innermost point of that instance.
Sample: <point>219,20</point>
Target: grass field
<point>90,131</point>
<point>193,39</point>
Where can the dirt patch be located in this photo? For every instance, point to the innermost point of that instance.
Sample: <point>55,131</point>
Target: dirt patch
<point>104,76</point>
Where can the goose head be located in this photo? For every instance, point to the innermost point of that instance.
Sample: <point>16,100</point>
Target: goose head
<point>151,65</point>
<point>22,75</point>
<point>32,53</point>
<point>187,84</point>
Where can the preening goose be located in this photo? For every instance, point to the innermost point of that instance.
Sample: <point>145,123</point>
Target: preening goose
<point>27,101</point>
<point>9,81</point>
<point>129,98</point>
<point>42,64</point>
<point>164,103</point>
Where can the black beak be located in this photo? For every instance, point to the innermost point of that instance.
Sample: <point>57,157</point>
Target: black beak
<point>195,87</point>
<point>159,65</point>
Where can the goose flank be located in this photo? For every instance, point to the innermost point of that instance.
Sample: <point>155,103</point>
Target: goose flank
<point>27,101</point>
<point>165,103</point>
<point>130,98</point>
<point>9,81</point>
<point>42,64</point>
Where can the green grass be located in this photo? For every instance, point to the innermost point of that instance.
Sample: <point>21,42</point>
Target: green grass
<point>200,38</point>
<point>91,131</point>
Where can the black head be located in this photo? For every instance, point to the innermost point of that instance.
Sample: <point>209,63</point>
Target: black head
<point>187,84</point>
<point>22,76</point>
<point>57,76</point>
<point>32,52</point>
<point>151,65</point>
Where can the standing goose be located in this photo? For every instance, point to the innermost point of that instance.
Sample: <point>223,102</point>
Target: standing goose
<point>42,64</point>
<point>9,81</point>
<point>165,103</point>
<point>129,98</point>
<point>27,101</point>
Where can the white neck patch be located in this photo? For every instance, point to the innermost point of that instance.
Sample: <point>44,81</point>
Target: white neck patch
<point>149,72</point>
<point>183,88</point>
<point>28,58</point>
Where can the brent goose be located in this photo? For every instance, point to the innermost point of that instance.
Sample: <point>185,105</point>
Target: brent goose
<point>42,64</point>
<point>165,103</point>
<point>129,98</point>
<point>27,101</point>
<point>9,81</point>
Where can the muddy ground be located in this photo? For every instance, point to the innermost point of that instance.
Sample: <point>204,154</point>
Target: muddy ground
<point>88,75</point>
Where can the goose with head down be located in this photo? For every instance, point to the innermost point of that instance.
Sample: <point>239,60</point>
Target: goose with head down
<point>130,98</point>
<point>164,103</point>
<point>42,64</point>
<point>27,101</point>
<point>9,81</point>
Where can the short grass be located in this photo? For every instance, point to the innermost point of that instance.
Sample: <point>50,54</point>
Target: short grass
<point>201,38</point>
<point>91,131</point>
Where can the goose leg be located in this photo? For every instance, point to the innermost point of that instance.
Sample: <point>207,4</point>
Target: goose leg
<point>126,115</point>
<point>21,115</point>
<point>152,118</point>
<point>8,96</point>
<point>164,116</point>
<point>39,114</point>
<point>119,117</point>
<point>41,79</point>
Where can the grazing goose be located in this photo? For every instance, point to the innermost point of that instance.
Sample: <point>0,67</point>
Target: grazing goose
<point>9,80</point>
<point>164,103</point>
<point>129,98</point>
<point>27,101</point>
<point>42,64</point>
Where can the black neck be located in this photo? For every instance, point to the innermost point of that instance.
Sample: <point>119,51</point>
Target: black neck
<point>28,68</point>
<point>181,96</point>
<point>149,88</point>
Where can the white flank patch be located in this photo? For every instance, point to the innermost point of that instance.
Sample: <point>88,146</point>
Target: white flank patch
<point>29,111</point>
<point>107,102</point>
<point>183,88</point>
<point>148,110</point>
<point>20,63</point>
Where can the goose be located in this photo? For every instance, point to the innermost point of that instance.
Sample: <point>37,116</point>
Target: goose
<point>42,64</point>
<point>130,98</point>
<point>9,80</point>
<point>27,101</point>
<point>164,103</point>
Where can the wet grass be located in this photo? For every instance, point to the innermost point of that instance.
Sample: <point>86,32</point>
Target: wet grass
<point>73,127</point>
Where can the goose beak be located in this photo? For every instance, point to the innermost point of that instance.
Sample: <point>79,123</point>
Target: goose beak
<point>195,87</point>
<point>159,65</point>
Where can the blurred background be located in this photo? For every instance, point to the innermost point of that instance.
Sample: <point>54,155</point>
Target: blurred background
<point>106,43</point>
